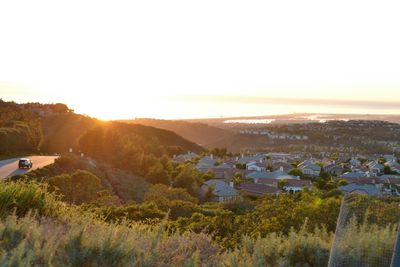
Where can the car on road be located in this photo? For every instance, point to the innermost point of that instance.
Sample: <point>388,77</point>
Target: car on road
<point>24,163</point>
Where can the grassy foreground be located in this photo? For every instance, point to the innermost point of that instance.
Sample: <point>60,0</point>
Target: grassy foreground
<point>36,229</point>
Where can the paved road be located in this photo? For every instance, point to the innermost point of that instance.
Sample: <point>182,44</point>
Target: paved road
<point>9,167</point>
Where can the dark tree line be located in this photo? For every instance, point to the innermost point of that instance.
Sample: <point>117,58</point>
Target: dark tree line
<point>20,130</point>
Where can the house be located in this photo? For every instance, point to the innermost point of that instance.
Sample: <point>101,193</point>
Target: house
<point>218,173</point>
<point>255,166</point>
<point>333,169</point>
<point>395,169</point>
<point>206,163</point>
<point>306,162</point>
<point>390,158</point>
<point>394,166</point>
<point>277,175</point>
<point>269,181</point>
<point>282,166</point>
<point>258,189</point>
<point>295,185</point>
<point>185,157</point>
<point>361,180</point>
<point>353,174</point>
<point>354,162</point>
<point>364,189</point>
<point>221,190</point>
<point>250,159</point>
<point>376,167</point>
<point>309,168</point>
<point>392,185</point>
<point>390,176</point>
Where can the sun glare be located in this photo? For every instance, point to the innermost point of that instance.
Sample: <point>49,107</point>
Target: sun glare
<point>128,58</point>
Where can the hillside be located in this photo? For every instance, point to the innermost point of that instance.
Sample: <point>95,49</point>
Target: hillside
<point>200,133</point>
<point>63,131</point>
<point>20,129</point>
<point>66,130</point>
<point>206,135</point>
<point>54,128</point>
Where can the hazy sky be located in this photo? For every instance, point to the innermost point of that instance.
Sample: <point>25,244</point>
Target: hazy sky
<point>180,59</point>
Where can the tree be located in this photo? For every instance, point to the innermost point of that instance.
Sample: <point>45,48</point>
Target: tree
<point>387,169</point>
<point>158,175</point>
<point>240,166</point>
<point>324,175</point>
<point>208,175</point>
<point>104,198</point>
<point>270,168</point>
<point>238,178</point>
<point>189,179</point>
<point>60,108</point>
<point>175,200</point>
<point>319,164</point>
<point>334,157</point>
<point>295,164</point>
<point>209,194</point>
<point>160,193</point>
<point>325,184</point>
<point>80,187</point>
<point>282,184</point>
<point>296,172</point>
<point>219,152</point>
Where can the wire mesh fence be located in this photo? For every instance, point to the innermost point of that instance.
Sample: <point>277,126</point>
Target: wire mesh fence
<point>362,237</point>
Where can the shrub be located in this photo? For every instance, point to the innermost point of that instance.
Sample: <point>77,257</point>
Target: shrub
<point>80,187</point>
<point>29,242</point>
<point>22,196</point>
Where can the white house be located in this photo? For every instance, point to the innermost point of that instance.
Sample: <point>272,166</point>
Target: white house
<point>295,185</point>
<point>375,167</point>
<point>277,175</point>
<point>255,166</point>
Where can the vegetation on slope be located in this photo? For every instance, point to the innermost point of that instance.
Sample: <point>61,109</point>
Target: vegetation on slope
<point>207,135</point>
<point>55,128</point>
<point>37,229</point>
<point>20,130</point>
<point>200,133</point>
<point>132,146</point>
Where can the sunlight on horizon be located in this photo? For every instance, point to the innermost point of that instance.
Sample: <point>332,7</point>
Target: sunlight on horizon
<point>129,104</point>
<point>136,59</point>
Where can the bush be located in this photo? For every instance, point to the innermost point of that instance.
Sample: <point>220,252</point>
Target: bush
<point>80,187</point>
<point>147,212</point>
<point>28,242</point>
<point>21,197</point>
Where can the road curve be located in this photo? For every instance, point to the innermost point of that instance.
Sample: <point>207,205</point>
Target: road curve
<point>9,167</point>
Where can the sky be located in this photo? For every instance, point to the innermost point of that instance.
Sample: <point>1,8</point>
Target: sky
<point>193,59</point>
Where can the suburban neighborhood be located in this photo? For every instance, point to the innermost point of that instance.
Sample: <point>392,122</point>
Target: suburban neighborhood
<point>274,173</point>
